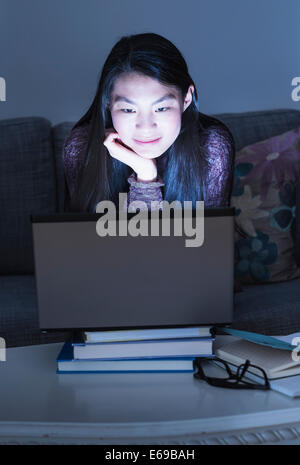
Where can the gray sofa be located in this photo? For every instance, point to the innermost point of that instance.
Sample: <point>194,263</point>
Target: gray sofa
<point>32,182</point>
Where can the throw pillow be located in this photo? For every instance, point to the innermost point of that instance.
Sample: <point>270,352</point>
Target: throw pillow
<point>264,195</point>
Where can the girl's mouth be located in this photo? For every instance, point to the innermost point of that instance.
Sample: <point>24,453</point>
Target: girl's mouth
<point>146,142</point>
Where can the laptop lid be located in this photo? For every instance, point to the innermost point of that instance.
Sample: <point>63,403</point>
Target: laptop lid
<point>87,281</point>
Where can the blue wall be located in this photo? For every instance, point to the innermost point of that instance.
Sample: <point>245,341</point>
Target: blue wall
<point>242,54</point>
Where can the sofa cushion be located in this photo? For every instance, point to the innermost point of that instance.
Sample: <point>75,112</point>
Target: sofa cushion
<point>19,316</point>
<point>272,309</point>
<point>264,195</point>
<point>27,186</point>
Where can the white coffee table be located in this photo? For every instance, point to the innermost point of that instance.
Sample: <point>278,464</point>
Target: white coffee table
<point>37,406</point>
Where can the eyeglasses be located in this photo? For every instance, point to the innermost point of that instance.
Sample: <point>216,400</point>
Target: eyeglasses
<point>233,380</point>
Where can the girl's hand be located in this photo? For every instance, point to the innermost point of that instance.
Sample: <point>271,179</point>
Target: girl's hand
<point>145,168</point>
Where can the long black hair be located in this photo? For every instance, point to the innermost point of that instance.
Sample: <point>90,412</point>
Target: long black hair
<point>103,177</point>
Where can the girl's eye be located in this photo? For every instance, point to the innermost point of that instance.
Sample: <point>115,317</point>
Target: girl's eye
<point>129,110</point>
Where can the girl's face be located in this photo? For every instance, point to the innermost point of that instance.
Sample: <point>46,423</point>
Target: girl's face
<point>142,109</point>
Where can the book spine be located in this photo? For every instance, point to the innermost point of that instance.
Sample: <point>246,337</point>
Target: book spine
<point>119,336</point>
<point>122,371</point>
<point>142,341</point>
<point>150,357</point>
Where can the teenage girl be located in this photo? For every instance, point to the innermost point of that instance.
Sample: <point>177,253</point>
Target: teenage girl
<point>144,134</point>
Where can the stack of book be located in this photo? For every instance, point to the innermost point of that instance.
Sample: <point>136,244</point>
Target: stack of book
<point>276,355</point>
<point>145,350</point>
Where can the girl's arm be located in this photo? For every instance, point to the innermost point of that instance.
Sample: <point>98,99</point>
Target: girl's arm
<point>221,149</point>
<point>147,191</point>
<point>73,153</point>
<point>144,182</point>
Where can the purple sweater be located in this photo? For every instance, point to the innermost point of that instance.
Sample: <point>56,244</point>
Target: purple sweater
<point>216,139</point>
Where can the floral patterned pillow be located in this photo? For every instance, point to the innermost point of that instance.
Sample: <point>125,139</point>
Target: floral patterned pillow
<point>264,195</point>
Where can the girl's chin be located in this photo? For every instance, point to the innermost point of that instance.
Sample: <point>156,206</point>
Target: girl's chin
<point>150,154</point>
<point>148,157</point>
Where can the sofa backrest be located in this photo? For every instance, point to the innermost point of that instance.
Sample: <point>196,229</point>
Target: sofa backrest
<point>27,186</point>
<point>250,127</point>
<point>32,178</point>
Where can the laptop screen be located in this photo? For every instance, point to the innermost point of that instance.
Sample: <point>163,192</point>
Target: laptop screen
<point>139,275</point>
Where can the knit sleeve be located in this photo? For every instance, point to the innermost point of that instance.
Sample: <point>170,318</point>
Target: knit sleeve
<point>145,191</point>
<point>73,156</point>
<point>221,150</point>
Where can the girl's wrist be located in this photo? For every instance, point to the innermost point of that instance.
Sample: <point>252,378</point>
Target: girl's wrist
<point>141,178</point>
<point>147,174</point>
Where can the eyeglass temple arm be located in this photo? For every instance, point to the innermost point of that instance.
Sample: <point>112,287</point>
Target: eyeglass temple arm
<point>245,367</point>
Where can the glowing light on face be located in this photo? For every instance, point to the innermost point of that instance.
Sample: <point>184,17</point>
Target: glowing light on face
<point>143,110</point>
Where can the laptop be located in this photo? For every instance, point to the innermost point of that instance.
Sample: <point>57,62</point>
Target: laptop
<point>86,280</point>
